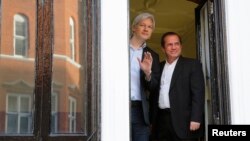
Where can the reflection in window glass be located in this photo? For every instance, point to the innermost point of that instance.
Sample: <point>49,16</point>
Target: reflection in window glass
<point>20,36</point>
<point>20,25</point>
<point>24,107</point>
<point>12,123</point>
<point>12,104</point>
<point>72,115</point>
<point>17,53</point>
<point>54,112</point>
<point>24,124</point>
<point>18,116</point>
<point>68,108</point>
<point>72,38</point>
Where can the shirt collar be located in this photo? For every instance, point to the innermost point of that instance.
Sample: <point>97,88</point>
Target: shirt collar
<point>141,47</point>
<point>175,61</point>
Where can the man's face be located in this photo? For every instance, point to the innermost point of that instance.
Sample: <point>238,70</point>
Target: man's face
<point>143,29</point>
<point>172,47</point>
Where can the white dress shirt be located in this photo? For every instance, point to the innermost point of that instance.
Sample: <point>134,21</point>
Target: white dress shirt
<point>135,81</point>
<point>166,77</point>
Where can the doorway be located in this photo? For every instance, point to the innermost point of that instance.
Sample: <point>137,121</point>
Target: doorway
<point>199,22</point>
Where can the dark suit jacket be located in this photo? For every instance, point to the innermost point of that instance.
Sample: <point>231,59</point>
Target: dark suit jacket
<point>149,87</point>
<point>186,96</point>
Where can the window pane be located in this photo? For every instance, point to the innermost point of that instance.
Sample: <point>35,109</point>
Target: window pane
<point>54,123</point>
<point>20,36</point>
<point>25,105</point>
<point>24,125</point>
<point>20,28</point>
<point>17,74</point>
<point>54,112</point>
<point>12,104</point>
<point>68,69</point>
<point>20,48</point>
<point>71,32</point>
<point>12,120</point>
<point>72,50</point>
<point>53,103</point>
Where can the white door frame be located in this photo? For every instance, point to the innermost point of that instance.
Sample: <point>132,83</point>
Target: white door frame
<point>114,71</point>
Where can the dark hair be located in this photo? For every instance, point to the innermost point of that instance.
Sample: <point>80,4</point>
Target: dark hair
<point>169,34</point>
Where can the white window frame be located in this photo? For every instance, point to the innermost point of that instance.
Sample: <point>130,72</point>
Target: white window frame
<point>72,114</point>
<point>18,112</point>
<point>115,115</point>
<point>72,38</point>
<point>22,19</point>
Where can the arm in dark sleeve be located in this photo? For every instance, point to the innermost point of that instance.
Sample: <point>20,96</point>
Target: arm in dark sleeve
<point>198,92</point>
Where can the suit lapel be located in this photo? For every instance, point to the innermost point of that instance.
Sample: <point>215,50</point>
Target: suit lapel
<point>176,72</point>
<point>162,66</point>
<point>144,50</point>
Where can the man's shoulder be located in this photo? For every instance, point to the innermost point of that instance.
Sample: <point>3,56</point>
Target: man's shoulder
<point>191,60</point>
<point>151,51</point>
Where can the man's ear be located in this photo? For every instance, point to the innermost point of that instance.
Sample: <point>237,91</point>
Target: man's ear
<point>133,29</point>
<point>162,48</point>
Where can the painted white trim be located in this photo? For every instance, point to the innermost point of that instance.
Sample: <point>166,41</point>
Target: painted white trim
<point>115,125</point>
<point>68,59</point>
<point>58,56</point>
<point>237,28</point>
<point>21,58</point>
